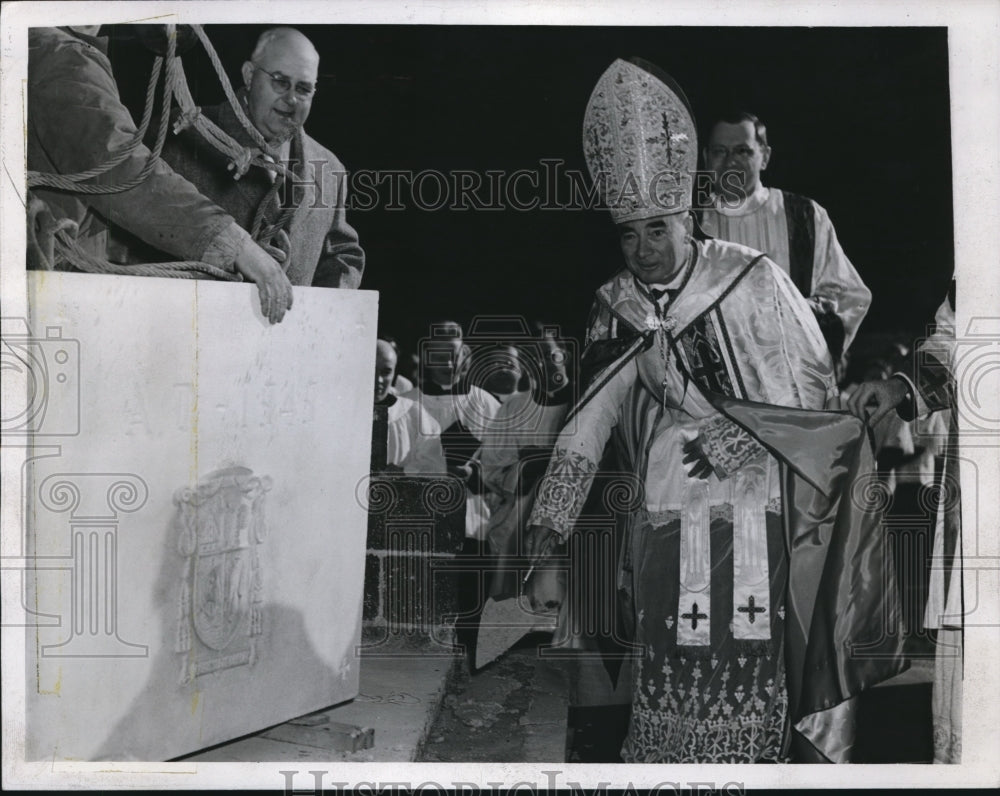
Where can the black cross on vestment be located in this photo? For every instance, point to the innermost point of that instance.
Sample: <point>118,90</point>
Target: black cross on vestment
<point>694,616</point>
<point>707,366</point>
<point>751,609</point>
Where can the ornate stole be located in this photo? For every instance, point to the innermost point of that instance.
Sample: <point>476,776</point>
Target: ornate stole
<point>694,606</point>
<point>751,576</point>
<point>750,612</point>
<point>706,357</point>
<point>800,217</point>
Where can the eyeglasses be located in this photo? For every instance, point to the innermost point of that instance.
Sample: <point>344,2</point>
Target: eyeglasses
<point>282,85</point>
<point>743,152</point>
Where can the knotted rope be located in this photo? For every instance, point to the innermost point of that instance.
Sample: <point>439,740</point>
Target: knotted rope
<point>68,181</point>
<point>175,86</point>
<point>241,157</point>
<point>66,249</point>
<point>218,138</point>
<point>227,87</point>
<point>71,182</point>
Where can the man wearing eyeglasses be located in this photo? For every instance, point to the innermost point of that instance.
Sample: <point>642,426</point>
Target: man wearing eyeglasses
<point>794,231</point>
<point>300,217</point>
<point>76,122</point>
<point>280,81</point>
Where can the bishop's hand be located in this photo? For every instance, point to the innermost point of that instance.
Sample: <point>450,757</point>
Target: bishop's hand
<point>544,585</point>
<point>695,461</point>
<point>878,397</point>
<point>539,541</point>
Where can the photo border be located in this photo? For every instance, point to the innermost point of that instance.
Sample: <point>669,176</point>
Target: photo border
<point>974,55</point>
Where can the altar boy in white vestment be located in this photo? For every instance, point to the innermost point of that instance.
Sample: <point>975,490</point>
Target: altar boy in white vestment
<point>413,438</point>
<point>794,231</point>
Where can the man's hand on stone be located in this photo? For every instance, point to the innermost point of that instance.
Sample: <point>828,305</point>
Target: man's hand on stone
<point>883,396</point>
<point>272,284</point>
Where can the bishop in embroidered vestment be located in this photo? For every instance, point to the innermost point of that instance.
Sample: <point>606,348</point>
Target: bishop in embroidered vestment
<point>706,355</point>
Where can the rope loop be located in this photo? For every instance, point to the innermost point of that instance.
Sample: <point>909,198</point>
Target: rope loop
<point>227,88</point>
<point>175,88</point>
<point>186,119</point>
<point>240,162</point>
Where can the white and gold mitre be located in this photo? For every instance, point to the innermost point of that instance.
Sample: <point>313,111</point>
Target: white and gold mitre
<point>640,142</point>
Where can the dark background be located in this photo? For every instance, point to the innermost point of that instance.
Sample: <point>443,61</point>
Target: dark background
<point>858,119</point>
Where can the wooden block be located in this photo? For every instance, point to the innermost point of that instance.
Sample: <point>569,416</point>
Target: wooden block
<point>328,736</point>
<point>312,720</point>
<point>352,737</point>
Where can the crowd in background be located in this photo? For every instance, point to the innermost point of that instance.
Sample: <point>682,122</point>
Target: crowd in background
<point>488,412</point>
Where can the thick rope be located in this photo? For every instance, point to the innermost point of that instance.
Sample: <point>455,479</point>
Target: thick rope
<point>175,86</point>
<point>227,87</point>
<point>263,207</point>
<point>258,230</point>
<point>36,179</point>
<point>191,115</point>
<point>212,133</point>
<point>66,250</point>
<point>65,247</point>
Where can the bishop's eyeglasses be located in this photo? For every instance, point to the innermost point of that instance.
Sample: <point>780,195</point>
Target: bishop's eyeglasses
<point>282,84</point>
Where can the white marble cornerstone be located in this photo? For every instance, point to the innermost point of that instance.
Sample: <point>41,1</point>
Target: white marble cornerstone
<point>193,520</point>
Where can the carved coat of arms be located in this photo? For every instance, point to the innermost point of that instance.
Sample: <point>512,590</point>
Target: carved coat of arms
<point>220,525</point>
